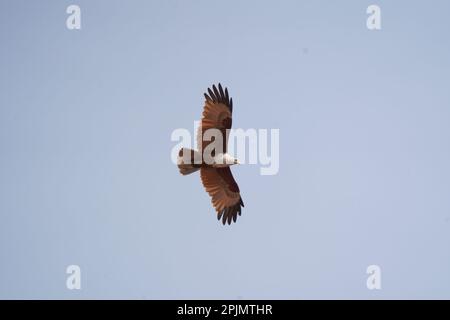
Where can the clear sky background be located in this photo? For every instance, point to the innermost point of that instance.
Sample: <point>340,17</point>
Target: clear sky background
<point>85,171</point>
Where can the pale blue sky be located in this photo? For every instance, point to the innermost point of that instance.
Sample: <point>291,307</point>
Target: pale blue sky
<point>85,171</point>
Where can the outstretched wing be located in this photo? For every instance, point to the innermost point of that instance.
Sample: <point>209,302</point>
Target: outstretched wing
<point>224,192</point>
<point>216,114</point>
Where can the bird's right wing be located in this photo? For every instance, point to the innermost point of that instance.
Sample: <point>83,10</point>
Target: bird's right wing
<point>224,192</point>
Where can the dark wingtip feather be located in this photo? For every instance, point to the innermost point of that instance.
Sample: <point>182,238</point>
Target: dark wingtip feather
<point>216,92</point>
<point>211,94</point>
<point>222,94</point>
<point>230,214</point>
<point>219,95</point>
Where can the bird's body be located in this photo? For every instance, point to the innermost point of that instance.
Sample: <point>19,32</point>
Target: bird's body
<point>212,158</point>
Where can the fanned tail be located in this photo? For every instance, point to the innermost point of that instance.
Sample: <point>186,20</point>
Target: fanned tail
<point>188,161</point>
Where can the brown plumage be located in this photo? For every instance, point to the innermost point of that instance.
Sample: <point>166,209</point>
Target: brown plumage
<point>217,177</point>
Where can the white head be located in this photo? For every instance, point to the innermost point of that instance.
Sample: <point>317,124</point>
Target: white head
<point>224,160</point>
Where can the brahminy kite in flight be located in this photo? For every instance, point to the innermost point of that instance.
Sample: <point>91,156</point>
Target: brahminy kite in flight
<point>215,165</point>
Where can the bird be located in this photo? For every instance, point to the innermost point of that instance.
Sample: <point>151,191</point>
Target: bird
<point>215,172</point>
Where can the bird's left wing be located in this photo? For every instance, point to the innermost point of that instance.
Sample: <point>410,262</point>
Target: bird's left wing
<point>217,114</point>
<point>224,192</point>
